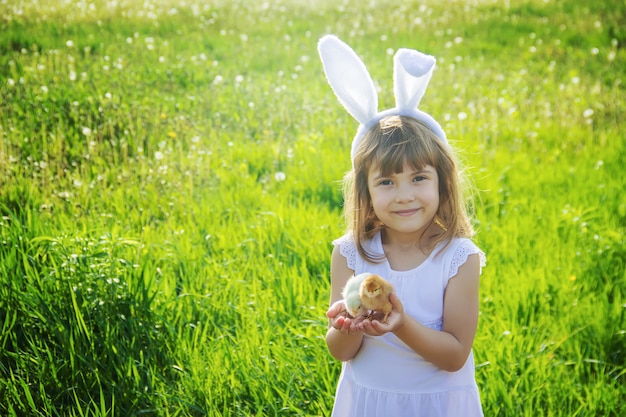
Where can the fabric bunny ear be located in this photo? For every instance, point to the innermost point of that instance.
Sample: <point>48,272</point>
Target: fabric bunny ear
<point>349,78</point>
<point>412,72</point>
<point>355,89</point>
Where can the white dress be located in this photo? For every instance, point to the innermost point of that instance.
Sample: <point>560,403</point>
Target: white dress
<point>388,379</point>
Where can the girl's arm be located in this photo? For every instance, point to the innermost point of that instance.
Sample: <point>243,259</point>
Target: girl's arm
<point>447,349</point>
<point>343,338</point>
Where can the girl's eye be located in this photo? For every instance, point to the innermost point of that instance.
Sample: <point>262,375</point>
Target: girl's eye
<point>385,182</point>
<point>419,178</point>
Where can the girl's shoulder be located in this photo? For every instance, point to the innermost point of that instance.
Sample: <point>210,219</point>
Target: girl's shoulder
<point>457,252</point>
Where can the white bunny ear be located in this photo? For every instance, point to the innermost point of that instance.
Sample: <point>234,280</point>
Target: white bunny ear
<point>349,78</point>
<point>412,72</point>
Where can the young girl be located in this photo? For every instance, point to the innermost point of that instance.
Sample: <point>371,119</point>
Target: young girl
<point>407,223</point>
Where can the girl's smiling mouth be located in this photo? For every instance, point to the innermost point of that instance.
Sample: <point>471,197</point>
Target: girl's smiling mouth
<point>406,212</point>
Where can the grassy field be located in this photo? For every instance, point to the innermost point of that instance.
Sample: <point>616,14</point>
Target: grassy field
<point>169,187</point>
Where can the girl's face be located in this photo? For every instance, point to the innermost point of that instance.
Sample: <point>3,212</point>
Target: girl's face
<point>405,202</point>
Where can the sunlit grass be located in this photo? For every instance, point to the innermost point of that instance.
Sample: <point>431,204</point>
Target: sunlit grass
<point>169,187</point>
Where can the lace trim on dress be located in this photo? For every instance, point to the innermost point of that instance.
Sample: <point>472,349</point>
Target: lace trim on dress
<point>465,249</point>
<point>347,248</point>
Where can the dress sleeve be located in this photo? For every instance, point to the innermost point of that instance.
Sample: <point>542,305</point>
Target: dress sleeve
<point>348,249</point>
<point>462,252</point>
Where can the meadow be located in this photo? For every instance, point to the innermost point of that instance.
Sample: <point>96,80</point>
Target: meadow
<point>170,184</point>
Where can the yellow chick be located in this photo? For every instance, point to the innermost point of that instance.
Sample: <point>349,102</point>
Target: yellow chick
<point>374,294</point>
<point>351,295</point>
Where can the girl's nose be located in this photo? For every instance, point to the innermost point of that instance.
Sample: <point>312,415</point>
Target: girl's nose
<point>405,194</point>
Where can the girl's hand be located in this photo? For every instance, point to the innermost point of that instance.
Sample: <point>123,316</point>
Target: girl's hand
<point>340,320</point>
<point>394,320</point>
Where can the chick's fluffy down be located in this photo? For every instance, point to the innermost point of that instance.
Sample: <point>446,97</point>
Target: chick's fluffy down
<point>367,293</point>
<point>351,294</point>
<point>374,293</point>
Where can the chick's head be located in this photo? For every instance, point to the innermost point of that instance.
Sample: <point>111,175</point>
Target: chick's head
<point>372,286</point>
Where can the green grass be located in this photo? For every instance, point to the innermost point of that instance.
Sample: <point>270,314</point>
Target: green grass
<point>169,188</point>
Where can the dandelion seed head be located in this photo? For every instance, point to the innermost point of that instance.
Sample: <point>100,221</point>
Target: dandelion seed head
<point>280,176</point>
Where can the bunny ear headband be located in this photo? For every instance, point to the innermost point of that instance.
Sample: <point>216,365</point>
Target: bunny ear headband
<point>355,89</point>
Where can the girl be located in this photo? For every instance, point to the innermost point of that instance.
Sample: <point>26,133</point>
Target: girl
<point>407,223</point>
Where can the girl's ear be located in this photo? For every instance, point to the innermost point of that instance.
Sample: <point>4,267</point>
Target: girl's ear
<point>349,78</point>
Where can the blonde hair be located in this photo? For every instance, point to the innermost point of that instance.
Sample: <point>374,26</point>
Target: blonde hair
<point>391,143</point>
